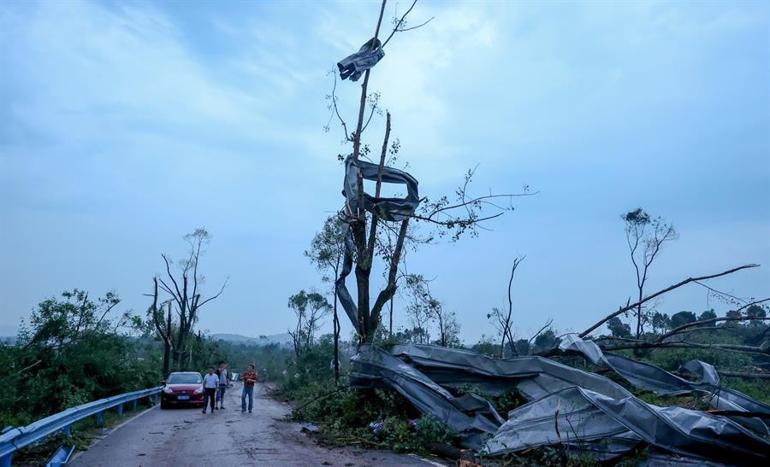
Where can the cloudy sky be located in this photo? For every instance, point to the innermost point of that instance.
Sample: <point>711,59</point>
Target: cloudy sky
<point>126,125</point>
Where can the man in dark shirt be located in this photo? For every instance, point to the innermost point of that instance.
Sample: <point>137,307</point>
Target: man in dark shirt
<point>249,380</point>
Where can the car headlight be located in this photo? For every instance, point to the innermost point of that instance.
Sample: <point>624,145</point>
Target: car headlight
<point>199,390</point>
<point>168,390</point>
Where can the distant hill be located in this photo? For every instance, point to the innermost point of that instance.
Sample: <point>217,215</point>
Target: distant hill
<point>280,339</point>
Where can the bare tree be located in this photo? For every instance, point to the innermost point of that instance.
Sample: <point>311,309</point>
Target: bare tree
<point>162,324</point>
<point>645,236</point>
<point>418,308</point>
<point>453,218</point>
<point>184,287</point>
<point>504,321</point>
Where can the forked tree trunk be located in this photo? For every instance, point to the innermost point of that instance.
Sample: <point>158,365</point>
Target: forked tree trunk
<point>167,343</point>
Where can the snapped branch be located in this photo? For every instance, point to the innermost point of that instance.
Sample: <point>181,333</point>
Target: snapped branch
<point>626,308</point>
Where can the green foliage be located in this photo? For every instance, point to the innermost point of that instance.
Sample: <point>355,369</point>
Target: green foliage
<point>683,317</point>
<point>487,346</point>
<point>544,340</point>
<point>309,309</point>
<point>73,352</point>
<point>708,314</point>
<point>660,322</point>
<point>618,328</point>
<point>270,360</point>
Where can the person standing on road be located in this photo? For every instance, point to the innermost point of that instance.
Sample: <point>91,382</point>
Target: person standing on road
<point>210,383</point>
<point>223,375</point>
<point>249,380</point>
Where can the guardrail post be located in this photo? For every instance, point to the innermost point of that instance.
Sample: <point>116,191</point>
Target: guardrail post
<point>133,403</point>
<point>120,410</point>
<point>67,430</point>
<point>100,419</point>
<point>5,461</point>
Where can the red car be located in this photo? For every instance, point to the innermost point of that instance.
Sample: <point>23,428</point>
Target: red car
<point>182,388</point>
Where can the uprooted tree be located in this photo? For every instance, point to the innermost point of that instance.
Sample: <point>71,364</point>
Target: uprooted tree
<point>366,215</point>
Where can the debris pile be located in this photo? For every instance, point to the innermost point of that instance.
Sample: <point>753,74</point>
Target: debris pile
<point>581,411</point>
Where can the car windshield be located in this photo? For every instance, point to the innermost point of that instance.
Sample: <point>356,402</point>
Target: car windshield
<point>184,378</point>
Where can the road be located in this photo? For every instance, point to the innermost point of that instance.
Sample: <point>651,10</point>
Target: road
<point>186,437</point>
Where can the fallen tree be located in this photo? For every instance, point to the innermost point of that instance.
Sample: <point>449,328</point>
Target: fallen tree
<point>646,299</point>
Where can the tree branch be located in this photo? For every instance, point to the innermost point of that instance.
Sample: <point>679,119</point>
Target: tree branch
<point>640,344</point>
<point>222,289</point>
<point>679,329</point>
<point>387,293</point>
<point>377,191</point>
<point>398,28</point>
<point>661,292</point>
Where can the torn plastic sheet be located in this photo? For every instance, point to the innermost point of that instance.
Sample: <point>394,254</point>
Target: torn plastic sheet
<point>576,415</point>
<point>354,65</point>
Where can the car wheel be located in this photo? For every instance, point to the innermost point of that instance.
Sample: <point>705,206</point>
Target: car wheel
<point>163,405</point>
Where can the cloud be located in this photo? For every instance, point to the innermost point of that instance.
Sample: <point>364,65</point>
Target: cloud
<point>127,124</point>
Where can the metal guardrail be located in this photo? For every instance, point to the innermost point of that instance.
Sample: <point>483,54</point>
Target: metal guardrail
<point>11,440</point>
<point>61,456</point>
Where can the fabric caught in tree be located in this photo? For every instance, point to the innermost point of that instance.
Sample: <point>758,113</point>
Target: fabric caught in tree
<point>354,65</point>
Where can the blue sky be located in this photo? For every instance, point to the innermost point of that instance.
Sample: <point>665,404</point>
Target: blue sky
<point>127,125</point>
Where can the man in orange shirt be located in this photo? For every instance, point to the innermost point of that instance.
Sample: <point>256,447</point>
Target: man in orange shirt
<point>249,380</point>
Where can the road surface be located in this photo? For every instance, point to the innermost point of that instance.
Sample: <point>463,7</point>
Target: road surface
<point>186,437</point>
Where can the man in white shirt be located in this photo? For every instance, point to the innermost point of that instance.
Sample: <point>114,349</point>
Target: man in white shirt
<point>210,384</point>
<point>223,374</point>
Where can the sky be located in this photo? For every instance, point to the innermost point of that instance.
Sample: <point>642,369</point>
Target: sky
<point>126,125</point>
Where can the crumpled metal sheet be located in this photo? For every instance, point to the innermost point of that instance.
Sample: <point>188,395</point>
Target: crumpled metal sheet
<point>641,375</point>
<point>534,377</point>
<point>576,409</point>
<point>575,415</point>
<point>354,65</point>
<point>653,378</point>
<point>564,417</point>
<point>389,209</point>
<point>473,418</point>
<point>343,295</point>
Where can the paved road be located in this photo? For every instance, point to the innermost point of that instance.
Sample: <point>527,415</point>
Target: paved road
<point>186,437</point>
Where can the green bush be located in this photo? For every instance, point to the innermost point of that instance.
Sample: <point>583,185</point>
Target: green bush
<point>68,355</point>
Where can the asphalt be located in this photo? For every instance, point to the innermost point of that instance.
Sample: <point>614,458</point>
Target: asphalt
<point>186,437</point>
